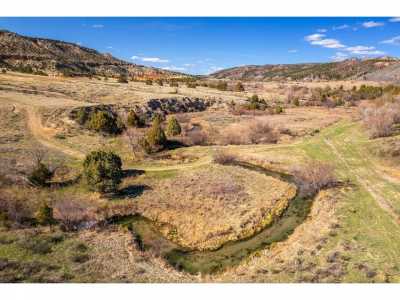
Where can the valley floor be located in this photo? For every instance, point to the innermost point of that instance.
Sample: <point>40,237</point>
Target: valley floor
<point>351,235</point>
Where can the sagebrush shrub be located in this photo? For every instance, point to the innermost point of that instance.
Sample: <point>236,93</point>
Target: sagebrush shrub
<point>249,132</point>
<point>224,158</point>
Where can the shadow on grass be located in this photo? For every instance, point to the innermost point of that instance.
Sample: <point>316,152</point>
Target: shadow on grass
<point>132,191</point>
<point>174,144</point>
<point>132,173</point>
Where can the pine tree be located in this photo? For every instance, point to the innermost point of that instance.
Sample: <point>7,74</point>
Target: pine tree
<point>156,136</point>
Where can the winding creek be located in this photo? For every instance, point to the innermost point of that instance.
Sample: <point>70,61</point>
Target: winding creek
<point>231,253</point>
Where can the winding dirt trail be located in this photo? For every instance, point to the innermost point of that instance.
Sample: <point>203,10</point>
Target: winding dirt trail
<point>43,134</point>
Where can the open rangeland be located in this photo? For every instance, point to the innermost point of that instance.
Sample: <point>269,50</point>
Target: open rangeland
<point>218,204</point>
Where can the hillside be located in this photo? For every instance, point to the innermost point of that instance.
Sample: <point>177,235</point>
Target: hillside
<point>53,57</point>
<point>385,68</point>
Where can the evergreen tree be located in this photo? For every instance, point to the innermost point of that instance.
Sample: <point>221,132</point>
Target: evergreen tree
<point>173,127</point>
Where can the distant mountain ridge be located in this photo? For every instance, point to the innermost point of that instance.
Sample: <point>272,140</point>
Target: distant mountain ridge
<point>54,57</point>
<point>383,68</point>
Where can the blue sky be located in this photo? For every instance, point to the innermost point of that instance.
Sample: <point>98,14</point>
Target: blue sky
<point>204,45</point>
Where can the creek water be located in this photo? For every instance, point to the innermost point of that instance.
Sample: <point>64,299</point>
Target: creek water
<point>229,254</point>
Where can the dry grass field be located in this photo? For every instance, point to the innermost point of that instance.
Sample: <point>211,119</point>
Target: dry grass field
<point>207,207</point>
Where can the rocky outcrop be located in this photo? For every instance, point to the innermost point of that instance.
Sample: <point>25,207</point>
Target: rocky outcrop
<point>163,106</point>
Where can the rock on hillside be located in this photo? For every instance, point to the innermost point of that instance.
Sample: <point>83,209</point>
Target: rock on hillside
<point>52,57</point>
<point>163,106</point>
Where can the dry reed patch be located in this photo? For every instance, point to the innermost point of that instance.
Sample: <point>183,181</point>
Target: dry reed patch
<point>204,208</point>
<point>114,258</point>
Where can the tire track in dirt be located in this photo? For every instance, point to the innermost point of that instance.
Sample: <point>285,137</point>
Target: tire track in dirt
<point>385,205</point>
<point>39,133</point>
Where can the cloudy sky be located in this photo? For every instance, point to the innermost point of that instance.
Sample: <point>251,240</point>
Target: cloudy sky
<point>205,45</point>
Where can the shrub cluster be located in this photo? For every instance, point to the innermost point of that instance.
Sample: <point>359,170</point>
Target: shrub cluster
<point>40,175</point>
<point>72,214</point>
<point>224,158</point>
<point>99,120</point>
<point>255,103</point>
<point>102,121</point>
<point>380,119</point>
<point>256,131</point>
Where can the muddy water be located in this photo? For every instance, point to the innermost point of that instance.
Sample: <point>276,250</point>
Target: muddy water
<point>229,254</point>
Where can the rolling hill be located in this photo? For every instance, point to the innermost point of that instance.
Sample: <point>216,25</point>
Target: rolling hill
<point>384,68</point>
<point>53,57</point>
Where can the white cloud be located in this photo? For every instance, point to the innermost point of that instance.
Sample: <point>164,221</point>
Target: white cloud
<point>293,51</point>
<point>174,68</point>
<point>322,30</point>
<point>154,59</point>
<point>394,20</point>
<point>393,41</point>
<point>341,27</point>
<point>319,40</point>
<point>339,56</point>
<point>371,24</point>
<point>364,50</point>
<point>109,47</point>
<point>150,59</point>
<point>189,65</point>
<point>98,26</point>
<point>359,48</point>
<point>328,43</point>
<point>314,37</point>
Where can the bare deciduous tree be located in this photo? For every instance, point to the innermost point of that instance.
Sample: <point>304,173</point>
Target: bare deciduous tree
<point>313,176</point>
<point>133,137</point>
